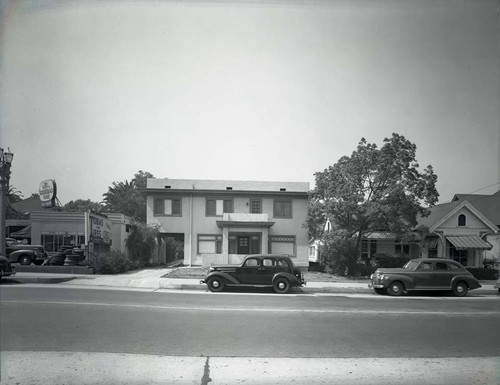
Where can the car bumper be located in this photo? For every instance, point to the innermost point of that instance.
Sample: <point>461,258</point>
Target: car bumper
<point>371,285</point>
<point>7,273</point>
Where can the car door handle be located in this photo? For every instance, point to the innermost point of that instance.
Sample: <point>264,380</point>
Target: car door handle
<point>262,268</point>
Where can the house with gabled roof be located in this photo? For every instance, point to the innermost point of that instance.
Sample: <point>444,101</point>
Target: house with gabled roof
<point>465,229</point>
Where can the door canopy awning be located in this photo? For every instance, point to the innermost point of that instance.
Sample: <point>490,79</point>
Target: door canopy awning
<point>244,220</point>
<point>468,242</point>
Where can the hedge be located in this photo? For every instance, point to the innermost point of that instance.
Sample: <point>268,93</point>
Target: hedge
<point>113,262</point>
<point>481,273</point>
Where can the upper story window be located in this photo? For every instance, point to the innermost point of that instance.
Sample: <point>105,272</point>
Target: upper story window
<point>462,220</point>
<point>255,206</point>
<point>282,208</point>
<point>218,206</point>
<point>167,207</point>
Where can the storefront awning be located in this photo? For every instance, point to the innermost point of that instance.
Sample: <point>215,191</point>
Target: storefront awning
<point>468,242</point>
<point>23,233</point>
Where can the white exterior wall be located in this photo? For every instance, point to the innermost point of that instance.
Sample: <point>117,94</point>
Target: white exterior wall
<point>474,226</point>
<point>119,234</point>
<point>194,221</point>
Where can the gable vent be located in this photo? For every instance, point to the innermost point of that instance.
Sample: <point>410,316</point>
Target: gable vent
<point>282,189</point>
<point>168,186</point>
<point>229,188</point>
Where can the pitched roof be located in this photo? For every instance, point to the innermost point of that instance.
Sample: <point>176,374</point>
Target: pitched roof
<point>28,205</point>
<point>488,205</point>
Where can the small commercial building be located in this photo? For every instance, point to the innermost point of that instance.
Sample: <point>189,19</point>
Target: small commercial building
<point>221,221</point>
<point>53,229</point>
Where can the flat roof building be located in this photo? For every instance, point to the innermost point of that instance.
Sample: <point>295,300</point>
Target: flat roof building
<point>221,221</point>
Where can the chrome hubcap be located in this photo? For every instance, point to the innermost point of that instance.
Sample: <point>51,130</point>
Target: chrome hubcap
<point>281,285</point>
<point>215,283</point>
<point>460,289</point>
<point>395,288</point>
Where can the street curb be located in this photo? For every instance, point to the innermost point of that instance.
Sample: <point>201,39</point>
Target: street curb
<point>38,279</point>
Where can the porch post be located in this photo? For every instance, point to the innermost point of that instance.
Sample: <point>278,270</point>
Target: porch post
<point>225,244</point>
<point>265,240</point>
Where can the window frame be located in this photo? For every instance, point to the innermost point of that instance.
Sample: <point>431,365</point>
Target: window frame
<point>400,248</point>
<point>282,213</point>
<point>255,200</point>
<point>282,239</point>
<point>225,209</point>
<point>462,220</point>
<point>161,213</point>
<point>217,238</point>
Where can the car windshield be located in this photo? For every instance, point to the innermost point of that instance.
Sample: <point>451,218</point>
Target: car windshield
<point>411,265</point>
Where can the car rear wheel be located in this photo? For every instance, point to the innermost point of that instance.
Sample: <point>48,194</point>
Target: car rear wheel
<point>25,260</point>
<point>281,286</point>
<point>215,284</point>
<point>396,288</point>
<point>460,289</point>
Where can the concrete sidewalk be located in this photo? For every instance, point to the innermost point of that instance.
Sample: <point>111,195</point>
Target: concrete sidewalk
<point>152,279</point>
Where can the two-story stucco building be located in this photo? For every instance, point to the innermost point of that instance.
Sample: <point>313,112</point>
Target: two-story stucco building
<point>221,221</point>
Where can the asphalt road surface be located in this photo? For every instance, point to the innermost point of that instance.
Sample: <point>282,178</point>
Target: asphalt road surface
<point>56,333</point>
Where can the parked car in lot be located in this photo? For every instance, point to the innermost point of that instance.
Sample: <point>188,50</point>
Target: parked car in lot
<point>6,268</point>
<point>259,270</point>
<point>24,254</point>
<point>424,274</point>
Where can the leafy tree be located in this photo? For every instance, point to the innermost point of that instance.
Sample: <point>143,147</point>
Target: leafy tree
<point>125,197</point>
<point>141,243</point>
<point>375,189</point>
<point>81,205</point>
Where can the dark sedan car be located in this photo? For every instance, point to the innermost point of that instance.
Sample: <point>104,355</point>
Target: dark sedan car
<point>424,274</point>
<point>6,268</point>
<point>260,270</point>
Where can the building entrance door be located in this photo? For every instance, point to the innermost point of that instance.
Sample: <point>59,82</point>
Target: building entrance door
<point>243,245</point>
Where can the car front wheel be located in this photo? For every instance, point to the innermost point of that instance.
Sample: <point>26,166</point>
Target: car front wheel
<point>281,286</point>
<point>215,284</point>
<point>396,288</point>
<point>25,260</point>
<point>460,289</point>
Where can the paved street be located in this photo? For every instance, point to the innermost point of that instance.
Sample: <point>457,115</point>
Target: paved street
<point>200,333</point>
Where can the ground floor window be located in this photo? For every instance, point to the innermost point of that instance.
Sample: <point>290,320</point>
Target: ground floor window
<point>282,244</point>
<point>368,248</point>
<point>209,244</point>
<point>53,242</point>
<point>402,248</point>
<point>459,255</point>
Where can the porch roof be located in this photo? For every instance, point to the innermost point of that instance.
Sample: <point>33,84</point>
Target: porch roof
<point>468,242</point>
<point>244,220</point>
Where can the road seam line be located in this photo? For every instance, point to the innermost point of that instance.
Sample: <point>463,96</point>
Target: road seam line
<point>261,310</point>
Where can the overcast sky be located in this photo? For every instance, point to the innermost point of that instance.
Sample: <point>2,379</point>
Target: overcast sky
<point>92,92</point>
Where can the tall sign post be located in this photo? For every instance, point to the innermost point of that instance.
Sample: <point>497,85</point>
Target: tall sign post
<point>97,235</point>
<point>5,162</point>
